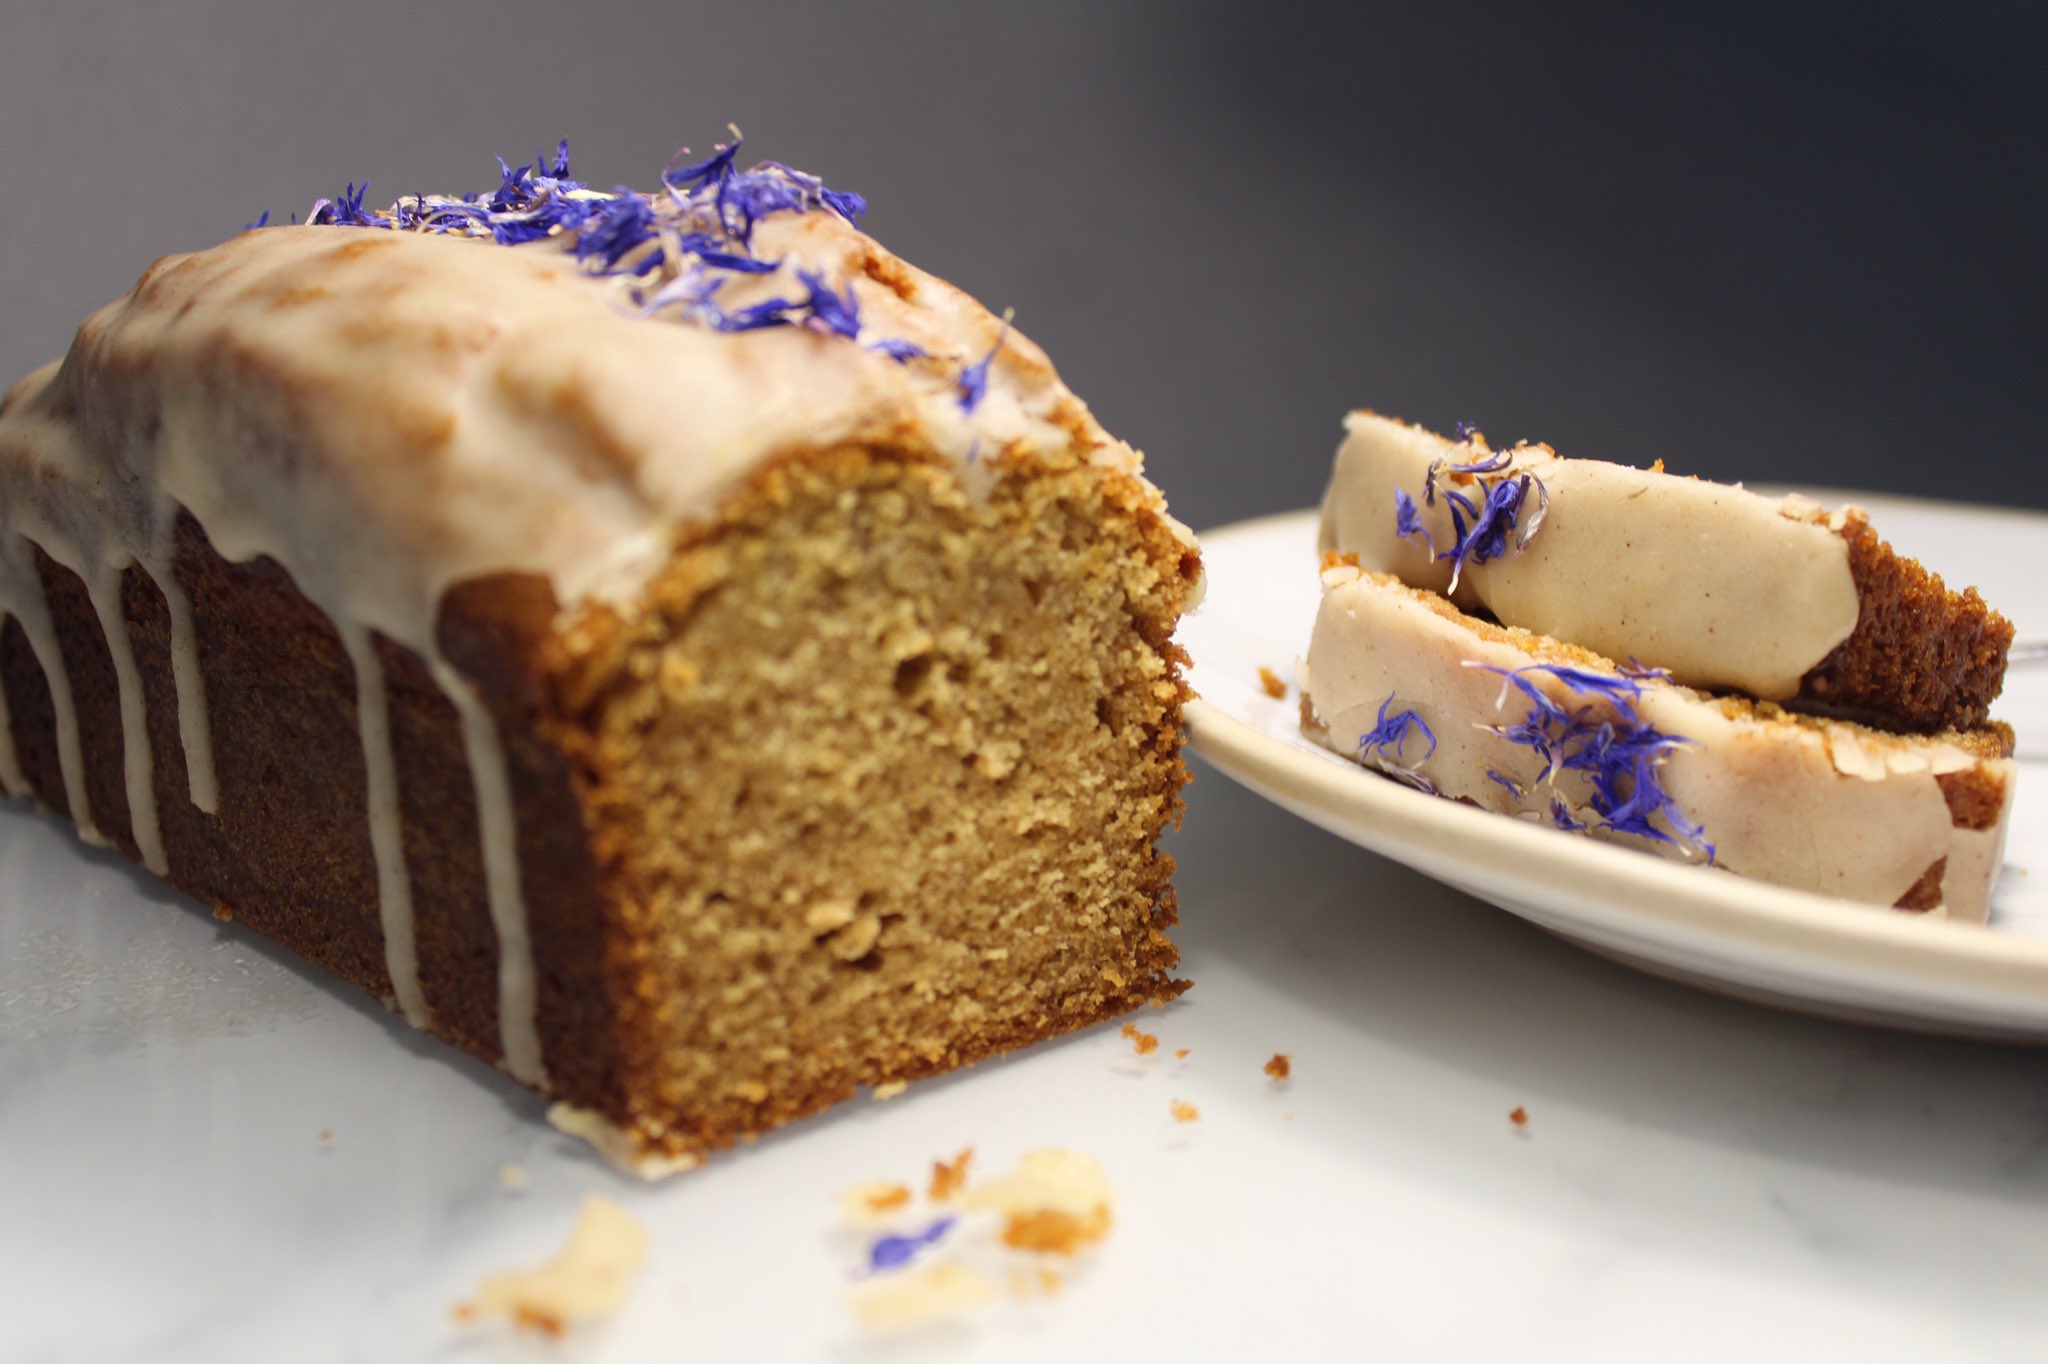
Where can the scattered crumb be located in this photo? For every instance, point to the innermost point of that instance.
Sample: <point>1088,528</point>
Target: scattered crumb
<point>512,1176</point>
<point>891,1089</point>
<point>950,1177</point>
<point>926,1293</point>
<point>1056,1202</point>
<point>1144,1043</point>
<point>1280,1067</point>
<point>224,914</point>
<point>1270,683</point>
<point>1520,1117</point>
<point>866,1201</point>
<point>590,1278</point>
<point>326,1135</point>
<point>1181,1055</point>
<point>1054,1231</point>
<point>1183,1111</point>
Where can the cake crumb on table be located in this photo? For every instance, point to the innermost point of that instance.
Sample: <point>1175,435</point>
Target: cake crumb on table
<point>1144,1043</point>
<point>949,1177</point>
<point>874,1202</point>
<point>511,1175</point>
<point>890,1089</point>
<point>1181,1055</point>
<point>1055,1201</point>
<point>1520,1117</point>
<point>1055,1231</point>
<point>999,1232</point>
<point>926,1293</point>
<point>1270,683</point>
<point>326,1135</point>
<point>1183,1111</point>
<point>1280,1067</point>
<point>590,1278</point>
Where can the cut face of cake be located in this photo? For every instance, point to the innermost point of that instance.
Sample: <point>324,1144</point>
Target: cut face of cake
<point>1522,724</point>
<point>1727,590</point>
<point>665,645</point>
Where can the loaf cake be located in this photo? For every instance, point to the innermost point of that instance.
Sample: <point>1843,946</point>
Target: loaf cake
<point>664,645</point>
<point>1725,589</point>
<point>1527,725</point>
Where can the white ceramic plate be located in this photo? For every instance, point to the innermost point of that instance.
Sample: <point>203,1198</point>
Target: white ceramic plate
<point>1693,924</point>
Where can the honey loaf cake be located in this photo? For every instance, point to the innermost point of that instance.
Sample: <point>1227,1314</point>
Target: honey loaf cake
<point>1401,680</point>
<point>1728,590</point>
<point>664,645</point>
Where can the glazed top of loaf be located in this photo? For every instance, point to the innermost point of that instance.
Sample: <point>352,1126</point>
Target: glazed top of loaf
<point>386,412</point>
<point>1721,586</point>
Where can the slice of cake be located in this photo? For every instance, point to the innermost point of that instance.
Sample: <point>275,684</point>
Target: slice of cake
<point>663,644</point>
<point>1727,590</point>
<point>1400,680</point>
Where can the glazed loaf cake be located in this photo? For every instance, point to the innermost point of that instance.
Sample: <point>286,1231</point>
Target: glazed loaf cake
<point>1401,680</point>
<point>1727,590</point>
<point>664,645</point>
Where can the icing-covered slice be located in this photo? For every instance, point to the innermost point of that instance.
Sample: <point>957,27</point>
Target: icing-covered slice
<point>1726,589</point>
<point>1402,681</point>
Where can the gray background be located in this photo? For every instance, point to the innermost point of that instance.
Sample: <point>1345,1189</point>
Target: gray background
<point>1757,241</point>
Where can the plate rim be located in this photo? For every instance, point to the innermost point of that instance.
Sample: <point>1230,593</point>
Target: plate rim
<point>1929,960</point>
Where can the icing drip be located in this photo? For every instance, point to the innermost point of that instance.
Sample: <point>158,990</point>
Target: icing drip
<point>23,586</point>
<point>387,843</point>
<point>497,825</point>
<point>195,722</point>
<point>138,765</point>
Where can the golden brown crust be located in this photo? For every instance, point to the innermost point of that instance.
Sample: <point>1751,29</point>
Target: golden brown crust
<point>1921,658</point>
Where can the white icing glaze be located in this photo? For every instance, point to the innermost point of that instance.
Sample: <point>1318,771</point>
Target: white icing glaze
<point>195,721</point>
<point>1817,805</point>
<point>21,596</point>
<point>499,832</point>
<point>138,765</point>
<point>1726,589</point>
<point>387,840</point>
<point>388,414</point>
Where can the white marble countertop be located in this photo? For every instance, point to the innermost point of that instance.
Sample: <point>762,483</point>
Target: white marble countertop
<point>209,1153</point>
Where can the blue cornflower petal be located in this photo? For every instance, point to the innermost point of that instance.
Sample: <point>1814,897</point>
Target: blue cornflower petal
<point>1620,757</point>
<point>834,312</point>
<point>973,380</point>
<point>894,1252</point>
<point>902,352</point>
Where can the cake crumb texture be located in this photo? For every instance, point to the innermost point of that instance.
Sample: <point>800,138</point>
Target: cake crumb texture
<point>1923,657</point>
<point>876,779</point>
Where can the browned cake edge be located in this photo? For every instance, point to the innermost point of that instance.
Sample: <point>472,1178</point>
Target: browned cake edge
<point>1921,658</point>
